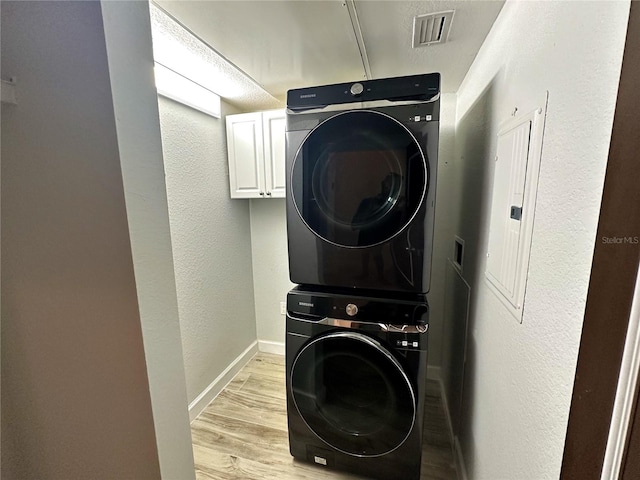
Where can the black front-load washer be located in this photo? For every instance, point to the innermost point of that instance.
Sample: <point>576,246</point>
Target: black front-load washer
<point>361,177</point>
<point>356,373</point>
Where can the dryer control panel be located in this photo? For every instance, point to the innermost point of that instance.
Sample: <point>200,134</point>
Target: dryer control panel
<point>420,88</point>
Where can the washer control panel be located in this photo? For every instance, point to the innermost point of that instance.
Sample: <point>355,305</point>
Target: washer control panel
<point>407,344</point>
<point>360,308</point>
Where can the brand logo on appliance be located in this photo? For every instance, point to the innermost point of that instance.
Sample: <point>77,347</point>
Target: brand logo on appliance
<point>308,95</point>
<point>305,304</point>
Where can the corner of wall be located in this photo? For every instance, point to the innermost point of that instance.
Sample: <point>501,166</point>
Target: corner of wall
<point>128,39</point>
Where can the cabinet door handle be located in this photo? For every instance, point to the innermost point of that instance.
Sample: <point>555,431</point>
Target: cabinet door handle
<point>268,194</point>
<point>262,193</point>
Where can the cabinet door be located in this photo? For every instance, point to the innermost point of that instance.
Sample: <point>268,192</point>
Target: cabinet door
<point>273,124</point>
<point>246,155</point>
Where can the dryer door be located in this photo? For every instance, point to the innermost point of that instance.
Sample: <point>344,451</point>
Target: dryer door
<point>353,394</point>
<point>358,178</point>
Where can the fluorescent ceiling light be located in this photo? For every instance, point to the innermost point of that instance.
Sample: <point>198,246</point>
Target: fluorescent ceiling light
<point>184,90</point>
<point>178,49</point>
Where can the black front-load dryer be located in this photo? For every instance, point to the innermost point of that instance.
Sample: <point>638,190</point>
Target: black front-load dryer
<point>356,378</point>
<point>361,172</point>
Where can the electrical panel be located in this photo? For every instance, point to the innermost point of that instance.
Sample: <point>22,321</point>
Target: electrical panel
<point>515,184</point>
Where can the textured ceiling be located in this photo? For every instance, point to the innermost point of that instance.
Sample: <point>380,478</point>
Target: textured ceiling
<point>387,31</point>
<point>292,44</point>
<point>177,49</point>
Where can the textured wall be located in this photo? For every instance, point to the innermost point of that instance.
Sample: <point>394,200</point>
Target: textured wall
<point>75,394</point>
<point>211,240</point>
<point>519,376</point>
<point>270,266</point>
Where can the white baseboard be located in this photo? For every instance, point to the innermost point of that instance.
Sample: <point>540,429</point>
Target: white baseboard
<point>267,346</point>
<point>206,397</point>
<point>459,459</point>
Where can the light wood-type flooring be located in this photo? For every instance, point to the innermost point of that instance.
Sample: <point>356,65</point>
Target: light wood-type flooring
<point>242,434</point>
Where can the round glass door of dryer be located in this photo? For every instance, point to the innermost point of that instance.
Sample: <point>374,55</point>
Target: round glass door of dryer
<point>353,394</point>
<point>359,178</point>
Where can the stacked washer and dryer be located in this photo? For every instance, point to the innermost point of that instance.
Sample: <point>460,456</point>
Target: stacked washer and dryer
<point>361,173</point>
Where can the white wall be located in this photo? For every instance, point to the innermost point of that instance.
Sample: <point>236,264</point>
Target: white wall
<point>519,377</point>
<point>270,269</point>
<point>76,399</point>
<point>129,50</point>
<point>211,239</point>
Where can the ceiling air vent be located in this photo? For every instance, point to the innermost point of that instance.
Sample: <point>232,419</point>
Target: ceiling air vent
<point>431,28</point>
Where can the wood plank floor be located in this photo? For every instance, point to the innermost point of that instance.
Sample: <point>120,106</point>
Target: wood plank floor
<point>242,434</point>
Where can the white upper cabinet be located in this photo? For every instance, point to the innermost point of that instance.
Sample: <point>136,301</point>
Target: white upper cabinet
<point>255,145</point>
<point>273,130</point>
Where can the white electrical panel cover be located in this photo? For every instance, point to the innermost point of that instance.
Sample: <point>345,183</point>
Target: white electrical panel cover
<point>515,184</point>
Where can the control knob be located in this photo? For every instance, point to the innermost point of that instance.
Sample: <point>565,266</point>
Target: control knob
<point>352,309</point>
<point>356,89</point>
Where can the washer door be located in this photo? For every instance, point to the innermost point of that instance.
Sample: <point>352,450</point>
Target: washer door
<point>353,394</point>
<point>358,178</point>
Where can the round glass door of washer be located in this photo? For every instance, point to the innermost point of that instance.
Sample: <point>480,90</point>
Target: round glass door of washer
<point>353,394</point>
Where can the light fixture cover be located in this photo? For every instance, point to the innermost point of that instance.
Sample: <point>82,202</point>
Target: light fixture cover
<point>177,48</point>
<point>173,85</point>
